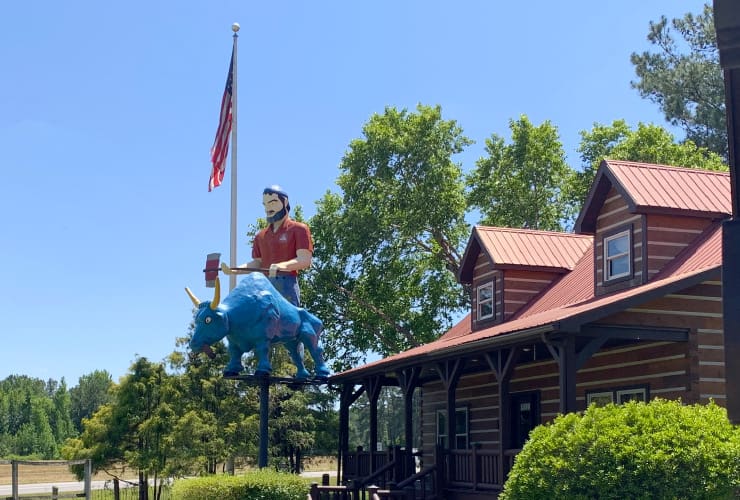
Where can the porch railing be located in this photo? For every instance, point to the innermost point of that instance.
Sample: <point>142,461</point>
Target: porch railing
<point>475,469</point>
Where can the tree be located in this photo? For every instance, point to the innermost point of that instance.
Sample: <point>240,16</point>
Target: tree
<point>217,418</point>
<point>91,392</point>
<point>648,143</point>
<point>34,417</point>
<point>688,87</point>
<point>387,248</point>
<point>522,184</point>
<point>134,428</point>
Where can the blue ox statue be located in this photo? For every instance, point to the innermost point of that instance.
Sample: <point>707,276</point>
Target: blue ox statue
<point>253,316</point>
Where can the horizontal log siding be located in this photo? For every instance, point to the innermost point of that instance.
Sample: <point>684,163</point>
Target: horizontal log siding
<point>484,273</point>
<point>614,216</point>
<point>698,309</point>
<point>522,286</point>
<point>692,371</point>
<point>667,236</point>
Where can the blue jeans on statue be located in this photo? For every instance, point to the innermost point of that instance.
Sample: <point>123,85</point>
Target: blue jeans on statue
<point>288,288</point>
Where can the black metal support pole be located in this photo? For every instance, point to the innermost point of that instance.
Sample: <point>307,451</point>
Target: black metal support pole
<point>264,413</point>
<point>727,25</point>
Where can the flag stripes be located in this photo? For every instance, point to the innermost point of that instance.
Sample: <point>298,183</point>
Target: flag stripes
<point>220,149</point>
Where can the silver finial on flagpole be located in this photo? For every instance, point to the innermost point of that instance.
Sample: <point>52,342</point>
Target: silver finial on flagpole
<point>235,27</point>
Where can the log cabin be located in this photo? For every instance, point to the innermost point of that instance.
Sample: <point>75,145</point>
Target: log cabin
<point>627,306</point>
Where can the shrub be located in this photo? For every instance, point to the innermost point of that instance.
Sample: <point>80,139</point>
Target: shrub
<point>258,485</point>
<point>658,450</point>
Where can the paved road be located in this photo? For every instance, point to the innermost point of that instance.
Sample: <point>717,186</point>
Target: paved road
<point>45,488</point>
<point>6,490</point>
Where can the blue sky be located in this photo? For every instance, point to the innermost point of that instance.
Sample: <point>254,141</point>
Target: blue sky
<point>108,111</point>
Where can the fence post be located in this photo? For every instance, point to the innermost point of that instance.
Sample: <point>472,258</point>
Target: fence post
<point>54,493</point>
<point>88,479</point>
<point>314,495</point>
<point>14,478</point>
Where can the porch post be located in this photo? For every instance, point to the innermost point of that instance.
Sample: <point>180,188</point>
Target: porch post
<point>727,26</point>
<point>373,386</point>
<point>347,397</point>
<point>567,365</point>
<point>450,371</point>
<point>502,365</point>
<point>408,379</point>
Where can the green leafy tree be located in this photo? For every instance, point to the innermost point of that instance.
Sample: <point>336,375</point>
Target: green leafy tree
<point>60,415</point>
<point>385,246</point>
<point>91,392</point>
<point>684,78</point>
<point>648,143</point>
<point>217,419</point>
<point>525,183</point>
<point>134,428</point>
<point>34,418</point>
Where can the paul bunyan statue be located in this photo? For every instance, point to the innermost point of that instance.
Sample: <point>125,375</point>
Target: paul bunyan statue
<point>260,312</point>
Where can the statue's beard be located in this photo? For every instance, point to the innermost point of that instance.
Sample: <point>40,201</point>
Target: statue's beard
<point>277,216</point>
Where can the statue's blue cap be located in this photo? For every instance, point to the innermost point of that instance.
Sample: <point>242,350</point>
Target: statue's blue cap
<point>275,189</point>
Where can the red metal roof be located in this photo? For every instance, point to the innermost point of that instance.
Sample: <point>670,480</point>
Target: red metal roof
<point>531,248</point>
<point>664,186</point>
<point>572,298</point>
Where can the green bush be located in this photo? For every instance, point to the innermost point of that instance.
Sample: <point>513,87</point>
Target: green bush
<point>258,485</point>
<point>658,450</point>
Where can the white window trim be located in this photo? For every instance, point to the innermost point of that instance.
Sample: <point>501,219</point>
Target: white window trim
<point>491,300</point>
<point>626,392</point>
<point>597,396</point>
<point>442,433</point>
<point>609,258</point>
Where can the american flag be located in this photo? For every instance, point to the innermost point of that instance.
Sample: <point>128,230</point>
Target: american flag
<point>220,148</point>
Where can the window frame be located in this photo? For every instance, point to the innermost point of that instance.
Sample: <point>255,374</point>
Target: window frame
<point>491,301</point>
<point>617,394</point>
<point>441,438</point>
<point>609,259</point>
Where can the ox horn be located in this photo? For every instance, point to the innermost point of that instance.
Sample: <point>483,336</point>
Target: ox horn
<point>192,297</point>
<point>216,295</point>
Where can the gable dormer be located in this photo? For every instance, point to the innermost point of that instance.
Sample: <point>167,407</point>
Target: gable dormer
<point>506,268</point>
<point>642,215</point>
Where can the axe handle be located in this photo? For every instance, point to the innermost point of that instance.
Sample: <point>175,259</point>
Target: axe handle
<point>244,270</point>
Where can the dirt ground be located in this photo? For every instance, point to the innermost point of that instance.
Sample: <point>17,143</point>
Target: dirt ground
<point>32,474</point>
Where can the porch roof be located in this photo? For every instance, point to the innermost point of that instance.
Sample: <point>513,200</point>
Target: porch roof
<point>565,306</point>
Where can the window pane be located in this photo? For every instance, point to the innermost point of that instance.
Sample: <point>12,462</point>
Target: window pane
<point>485,310</point>
<point>617,245</point>
<point>461,422</point>
<point>618,266</point>
<point>485,292</point>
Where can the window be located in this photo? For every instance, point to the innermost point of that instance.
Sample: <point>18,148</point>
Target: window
<point>636,394</point>
<point>461,428</point>
<point>485,301</point>
<point>600,398</point>
<point>617,257</point>
<point>619,396</point>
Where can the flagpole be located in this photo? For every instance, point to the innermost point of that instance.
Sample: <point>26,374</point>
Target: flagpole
<point>232,252</point>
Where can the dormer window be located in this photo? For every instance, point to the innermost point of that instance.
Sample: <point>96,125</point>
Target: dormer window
<point>485,301</point>
<point>617,255</point>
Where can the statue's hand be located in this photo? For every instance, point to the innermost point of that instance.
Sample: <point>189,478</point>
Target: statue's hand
<point>273,270</point>
<point>225,269</point>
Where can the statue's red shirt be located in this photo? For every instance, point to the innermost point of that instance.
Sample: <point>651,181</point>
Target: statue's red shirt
<point>271,247</point>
